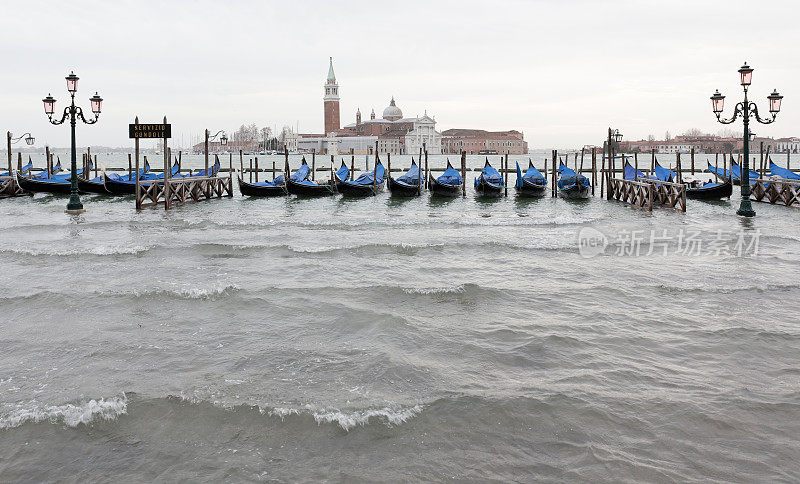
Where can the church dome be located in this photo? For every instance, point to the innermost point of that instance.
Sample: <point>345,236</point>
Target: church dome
<point>392,112</point>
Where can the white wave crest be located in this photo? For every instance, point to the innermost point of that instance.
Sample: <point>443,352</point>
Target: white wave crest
<point>94,250</point>
<point>206,292</point>
<point>68,414</point>
<point>348,420</point>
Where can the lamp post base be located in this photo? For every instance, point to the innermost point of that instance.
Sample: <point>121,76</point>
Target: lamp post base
<point>75,211</point>
<point>746,209</point>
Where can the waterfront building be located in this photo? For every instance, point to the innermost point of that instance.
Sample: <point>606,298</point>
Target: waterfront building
<point>478,141</point>
<point>787,145</point>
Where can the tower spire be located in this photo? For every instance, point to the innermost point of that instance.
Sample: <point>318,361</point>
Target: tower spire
<point>331,75</point>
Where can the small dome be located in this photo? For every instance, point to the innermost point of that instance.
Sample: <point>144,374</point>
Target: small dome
<point>392,112</point>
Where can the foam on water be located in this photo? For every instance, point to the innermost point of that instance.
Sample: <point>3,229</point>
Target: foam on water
<point>68,414</point>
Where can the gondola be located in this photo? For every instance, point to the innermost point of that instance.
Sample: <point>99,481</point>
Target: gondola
<point>532,183</point>
<point>408,185</point>
<point>299,184</point>
<point>572,185</point>
<point>24,170</point>
<point>664,174</point>
<point>710,191</point>
<point>274,188</point>
<point>707,191</point>
<point>781,172</point>
<point>120,184</point>
<point>58,185</point>
<point>448,184</point>
<point>97,184</point>
<point>44,174</point>
<point>631,173</point>
<point>734,174</point>
<point>367,184</point>
<point>490,182</point>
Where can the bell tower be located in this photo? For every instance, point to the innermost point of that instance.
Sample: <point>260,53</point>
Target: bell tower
<point>331,100</point>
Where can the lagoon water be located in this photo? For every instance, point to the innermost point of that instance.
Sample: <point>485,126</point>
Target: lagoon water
<point>384,339</point>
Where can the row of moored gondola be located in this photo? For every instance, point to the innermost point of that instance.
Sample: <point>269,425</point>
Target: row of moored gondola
<point>412,183</point>
<point>55,180</point>
<point>717,189</point>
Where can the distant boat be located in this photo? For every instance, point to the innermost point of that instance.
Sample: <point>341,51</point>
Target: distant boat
<point>490,182</point>
<point>532,183</point>
<point>408,185</point>
<point>571,184</point>
<point>449,184</point>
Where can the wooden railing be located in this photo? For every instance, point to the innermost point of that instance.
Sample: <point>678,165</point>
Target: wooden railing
<point>178,191</point>
<point>779,190</point>
<point>647,193</point>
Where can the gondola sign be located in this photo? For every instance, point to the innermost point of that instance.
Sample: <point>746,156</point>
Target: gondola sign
<point>157,131</point>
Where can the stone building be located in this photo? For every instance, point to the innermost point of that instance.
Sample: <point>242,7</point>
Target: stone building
<point>478,141</point>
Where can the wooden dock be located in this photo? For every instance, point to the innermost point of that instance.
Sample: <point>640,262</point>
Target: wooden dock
<point>174,192</point>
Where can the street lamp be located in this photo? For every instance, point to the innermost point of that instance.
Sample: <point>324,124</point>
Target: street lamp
<point>28,140</point>
<point>74,206</point>
<point>223,140</point>
<point>746,109</point>
<point>614,136</point>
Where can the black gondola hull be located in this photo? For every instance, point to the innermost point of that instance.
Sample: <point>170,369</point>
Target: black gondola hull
<point>44,186</point>
<point>87,186</point>
<point>250,190</point>
<point>400,189</point>
<point>357,190</point>
<point>126,188</point>
<point>442,190</point>
<point>309,190</point>
<point>718,192</point>
<point>485,189</point>
<point>531,190</point>
<point>576,192</point>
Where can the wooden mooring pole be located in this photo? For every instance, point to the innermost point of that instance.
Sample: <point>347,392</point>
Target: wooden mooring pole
<point>506,180</point>
<point>464,173</point>
<point>136,173</point>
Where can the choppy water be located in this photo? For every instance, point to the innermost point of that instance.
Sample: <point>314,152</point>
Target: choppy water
<point>390,340</point>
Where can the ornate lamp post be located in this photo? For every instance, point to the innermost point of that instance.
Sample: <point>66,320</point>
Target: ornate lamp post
<point>614,136</point>
<point>223,140</point>
<point>11,140</point>
<point>746,109</point>
<point>74,206</point>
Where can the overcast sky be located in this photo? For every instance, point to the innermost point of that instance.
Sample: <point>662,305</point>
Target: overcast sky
<point>561,71</point>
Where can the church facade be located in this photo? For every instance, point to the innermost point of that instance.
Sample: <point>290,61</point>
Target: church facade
<point>392,132</point>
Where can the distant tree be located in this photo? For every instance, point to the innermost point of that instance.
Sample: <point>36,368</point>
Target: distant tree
<point>694,132</point>
<point>651,138</point>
